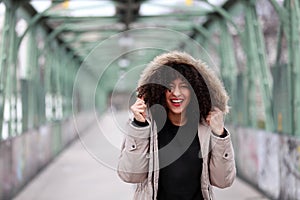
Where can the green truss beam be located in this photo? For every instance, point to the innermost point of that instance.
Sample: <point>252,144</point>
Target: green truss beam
<point>257,64</point>
<point>289,15</point>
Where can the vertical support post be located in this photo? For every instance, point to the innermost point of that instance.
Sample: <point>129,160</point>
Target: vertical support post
<point>8,62</point>
<point>48,85</point>
<point>69,77</point>
<point>259,63</point>
<point>241,95</point>
<point>228,66</point>
<point>251,64</point>
<point>13,87</point>
<point>290,68</point>
<point>58,93</point>
<point>33,81</point>
<point>294,61</point>
<point>64,69</point>
<point>3,65</point>
<point>286,26</point>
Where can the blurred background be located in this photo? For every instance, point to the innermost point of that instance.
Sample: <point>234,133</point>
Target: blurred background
<point>69,70</point>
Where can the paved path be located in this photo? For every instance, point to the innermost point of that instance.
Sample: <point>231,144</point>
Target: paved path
<point>86,170</point>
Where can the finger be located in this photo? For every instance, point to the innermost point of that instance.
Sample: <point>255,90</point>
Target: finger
<point>135,108</point>
<point>139,103</point>
<point>138,110</point>
<point>140,107</point>
<point>141,99</point>
<point>144,114</point>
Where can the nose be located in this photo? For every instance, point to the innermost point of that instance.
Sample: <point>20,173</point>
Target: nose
<point>176,91</point>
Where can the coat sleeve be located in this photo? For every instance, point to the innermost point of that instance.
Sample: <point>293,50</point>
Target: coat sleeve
<point>222,164</point>
<point>133,162</point>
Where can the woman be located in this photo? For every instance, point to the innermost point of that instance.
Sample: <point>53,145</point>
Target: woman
<point>177,146</point>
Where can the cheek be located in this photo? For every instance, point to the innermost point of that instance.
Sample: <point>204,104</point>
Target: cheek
<point>188,95</point>
<point>167,94</point>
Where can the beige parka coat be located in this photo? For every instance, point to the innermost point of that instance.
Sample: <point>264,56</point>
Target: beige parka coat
<point>138,162</point>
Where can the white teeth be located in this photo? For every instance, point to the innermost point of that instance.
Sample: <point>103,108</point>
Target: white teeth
<point>177,101</point>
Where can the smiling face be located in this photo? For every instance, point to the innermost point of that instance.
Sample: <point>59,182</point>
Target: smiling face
<point>178,98</point>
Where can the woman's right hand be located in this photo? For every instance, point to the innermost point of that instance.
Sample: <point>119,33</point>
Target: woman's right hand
<point>139,110</point>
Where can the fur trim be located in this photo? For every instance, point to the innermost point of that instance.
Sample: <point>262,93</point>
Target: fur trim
<point>217,92</point>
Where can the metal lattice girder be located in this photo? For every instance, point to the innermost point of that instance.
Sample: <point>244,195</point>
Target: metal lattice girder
<point>30,117</point>
<point>241,95</point>
<point>250,79</point>
<point>289,16</point>
<point>3,64</point>
<point>294,61</point>
<point>228,66</point>
<point>218,13</point>
<point>35,19</point>
<point>38,19</point>
<point>204,33</point>
<point>222,11</point>
<point>8,63</point>
<point>257,63</point>
<point>220,17</point>
<point>69,74</point>
<point>70,19</point>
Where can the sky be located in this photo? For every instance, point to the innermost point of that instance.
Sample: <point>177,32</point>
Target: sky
<point>106,8</point>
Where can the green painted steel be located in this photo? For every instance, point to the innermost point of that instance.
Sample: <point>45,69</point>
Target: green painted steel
<point>294,61</point>
<point>33,22</point>
<point>258,64</point>
<point>289,16</point>
<point>46,92</point>
<point>225,15</point>
<point>241,95</point>
<point>7,67</point>
<point>280,96</point>
<point>105,18</point>
<point>55,79</point>
<point>204,35</point>
<point>31,116</point>
<point>295,5</point>
<point>3,65</point>
<point>228,68</point>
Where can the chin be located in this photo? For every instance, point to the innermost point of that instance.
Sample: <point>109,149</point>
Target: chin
<point>176,111</point>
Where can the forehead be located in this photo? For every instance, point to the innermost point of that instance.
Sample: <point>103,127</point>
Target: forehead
<point>179,81</point>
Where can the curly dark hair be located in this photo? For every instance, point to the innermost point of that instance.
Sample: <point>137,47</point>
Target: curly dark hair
<point>154,91</point>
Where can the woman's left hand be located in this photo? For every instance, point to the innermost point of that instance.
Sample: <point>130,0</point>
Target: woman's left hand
<point>215,119</point>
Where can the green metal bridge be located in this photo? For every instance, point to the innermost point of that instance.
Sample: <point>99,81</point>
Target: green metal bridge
<point>63,61</point>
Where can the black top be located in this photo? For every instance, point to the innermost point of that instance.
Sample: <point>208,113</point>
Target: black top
<point>180,163</point>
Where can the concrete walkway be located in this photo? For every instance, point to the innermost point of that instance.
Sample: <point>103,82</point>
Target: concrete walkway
<point>86,170</point>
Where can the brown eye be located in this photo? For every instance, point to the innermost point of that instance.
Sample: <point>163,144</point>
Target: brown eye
<point>170,88</point>
<point>184,86</point>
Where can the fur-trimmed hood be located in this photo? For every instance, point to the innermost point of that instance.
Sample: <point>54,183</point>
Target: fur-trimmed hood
<point>217,92</point>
